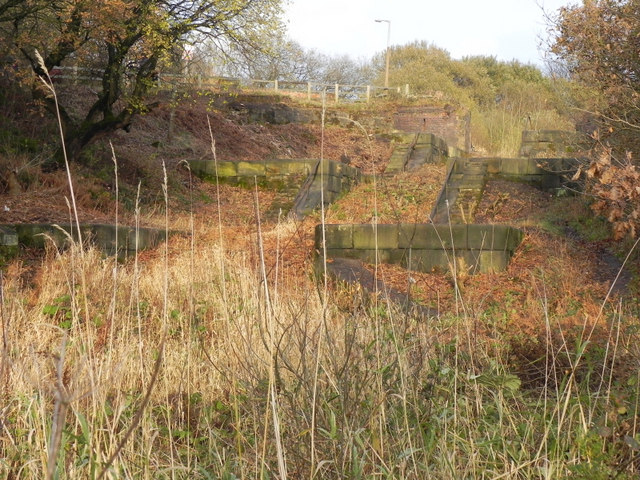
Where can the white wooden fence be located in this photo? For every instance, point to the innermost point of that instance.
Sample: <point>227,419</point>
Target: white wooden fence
<point>312,90</point>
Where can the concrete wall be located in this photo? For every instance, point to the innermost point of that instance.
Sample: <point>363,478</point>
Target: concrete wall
<point>423,247</point>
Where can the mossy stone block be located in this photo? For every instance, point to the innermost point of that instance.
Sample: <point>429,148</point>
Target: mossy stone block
<point>492,261</point>
<point>374,256</point>
<point>428,261</point>
<point>251,169</point>
<point>467,262</point>
<point>514,239</point>
<point>534,167</point>
<point>329,167</point>
<point>287,167</point>
<point>8,236</point>
<point>334,184</point>
<point>493,166</point>
<point>367,256</point>
<point>487,237</point>
<point>104,236</point>
<point>550,181</point>
<point>8,244</point>
<point>513,166</point>
<point>335,236</point>
<point>432,237</point>
<point>225,169</point>
<point>37,235</point>
<point>375,236</point>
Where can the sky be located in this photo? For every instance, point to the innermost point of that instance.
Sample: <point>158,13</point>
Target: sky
<point>506,29</point>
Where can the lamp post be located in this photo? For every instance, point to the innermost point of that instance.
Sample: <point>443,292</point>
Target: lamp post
<point>386,71</point>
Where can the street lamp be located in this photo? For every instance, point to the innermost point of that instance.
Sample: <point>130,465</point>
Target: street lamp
<point>386,72</point>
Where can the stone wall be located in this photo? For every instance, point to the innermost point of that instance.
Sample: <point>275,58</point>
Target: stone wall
<point>544,173</point>
<point>423,247</point>
<point>271,173</point>
<point>313,180</point>
<point>36,235</point>
<point>327,181</point>
<point>553,143</point>
<point>415,150</point>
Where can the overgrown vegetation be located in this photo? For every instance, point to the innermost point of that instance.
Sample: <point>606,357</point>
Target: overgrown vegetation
<point>342,384</point>
<point>221,355</point>
<point>595,46</point>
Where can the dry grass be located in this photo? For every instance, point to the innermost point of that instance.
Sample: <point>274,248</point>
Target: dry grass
<point>220,356</point>
<point>368,389</point>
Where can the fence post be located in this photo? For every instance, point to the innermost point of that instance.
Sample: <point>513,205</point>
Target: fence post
<point>75,74</point>
<point>199,82</point>
<point>368,93</point>
<point>406,90</point>
<point>275,84</point>
<point>308,91</point>
<point>337,93</point>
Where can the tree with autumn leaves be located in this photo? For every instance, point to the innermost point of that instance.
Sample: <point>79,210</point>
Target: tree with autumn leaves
<point>126,42</point>
<point>597,45</point>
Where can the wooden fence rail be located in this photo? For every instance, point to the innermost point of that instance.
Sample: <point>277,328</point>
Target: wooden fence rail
<point>312,90</point>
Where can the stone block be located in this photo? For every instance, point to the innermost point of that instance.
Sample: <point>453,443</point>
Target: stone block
<point>336,236</point>
<point>487,237</point>
<point>431,237</point>
<point>397,256</point>
<point>372,237</point>
<point>146,238</point>
<point>8,236</point>
<point>427,138</point>
<point>513,166</point>
<point>550,181</point>
<point>289,167</point>
<point>225,169</point>
<point>251,169</point>
<point>467,262</point>
<point>493,166</point>
<point>493,237</point>
<point>514,239</point>
<point>534,167</point>
<point>429,261</point>
<point>366,255</point>
<point>453,152</point>
<point>529,136</point>
<point>37,235</point>
<point>329,167</point>
<point>334,184</point>
<point>458,165</point>
<point>492,261</point>
<point>104,237</point>
<point>8,244</point>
